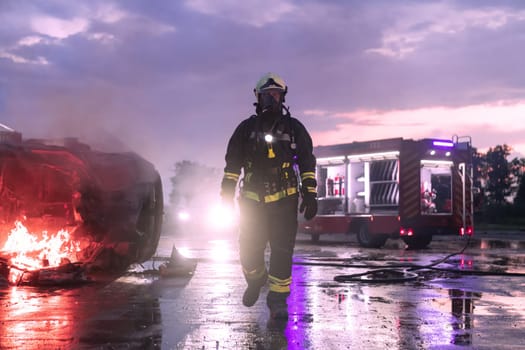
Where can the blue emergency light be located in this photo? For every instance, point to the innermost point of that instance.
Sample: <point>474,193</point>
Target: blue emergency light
<point>442,143</point>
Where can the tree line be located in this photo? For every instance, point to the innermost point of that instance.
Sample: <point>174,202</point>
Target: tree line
<point>501,185</point>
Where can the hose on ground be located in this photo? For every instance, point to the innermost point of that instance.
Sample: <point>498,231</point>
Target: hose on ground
<point>403,272</point>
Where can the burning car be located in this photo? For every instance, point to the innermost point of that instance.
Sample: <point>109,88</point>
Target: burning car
<point>67,210</point>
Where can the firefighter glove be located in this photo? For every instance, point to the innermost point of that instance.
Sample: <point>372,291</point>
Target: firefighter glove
<point>228,192</point>
<point>308,206</point>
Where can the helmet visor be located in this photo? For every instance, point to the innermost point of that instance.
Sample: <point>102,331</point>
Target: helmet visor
<point>276,94</point>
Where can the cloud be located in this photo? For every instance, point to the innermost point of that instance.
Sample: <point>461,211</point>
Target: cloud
<point>104,38</point>
<point>99,22</point>
<point>19,59</point>
<point>108,13</point>
<point>417,23</point>
<point>256,13</point>
<point>58,28</point>
<point>30,40</point>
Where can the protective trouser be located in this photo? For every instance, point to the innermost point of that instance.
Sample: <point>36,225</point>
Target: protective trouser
<point>274,223</point>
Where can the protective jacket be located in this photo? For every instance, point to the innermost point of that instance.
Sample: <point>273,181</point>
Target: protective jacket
<point>271,155</point>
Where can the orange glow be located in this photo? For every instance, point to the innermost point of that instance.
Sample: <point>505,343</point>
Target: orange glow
<point>27,252</point>
<point>35,315</point>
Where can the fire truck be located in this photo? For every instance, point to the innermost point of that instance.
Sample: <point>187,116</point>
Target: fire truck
<point>394,188</point>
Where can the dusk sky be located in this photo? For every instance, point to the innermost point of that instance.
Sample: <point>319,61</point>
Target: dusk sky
<point>172,79</point>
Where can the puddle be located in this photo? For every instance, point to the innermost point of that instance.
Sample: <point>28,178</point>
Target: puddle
<point>498,244</point>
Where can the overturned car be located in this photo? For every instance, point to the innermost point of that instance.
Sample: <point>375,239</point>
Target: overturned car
<point>67,210</point>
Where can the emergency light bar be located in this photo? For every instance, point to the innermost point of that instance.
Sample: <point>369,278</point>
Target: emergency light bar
<point>440,143</point>
<point>372,156</point>
<point>331,160</point>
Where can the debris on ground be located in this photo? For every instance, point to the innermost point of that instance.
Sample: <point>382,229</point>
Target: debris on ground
<point>67,273</point>
<point>177,265</point>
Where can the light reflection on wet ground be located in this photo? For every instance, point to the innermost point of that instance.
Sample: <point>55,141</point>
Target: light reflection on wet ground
<point>439,310</point>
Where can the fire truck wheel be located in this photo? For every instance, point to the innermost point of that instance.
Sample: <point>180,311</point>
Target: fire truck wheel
<point>368,240</point>
<point>418,242</point>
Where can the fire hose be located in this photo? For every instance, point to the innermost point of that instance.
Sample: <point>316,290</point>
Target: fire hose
<point>402,272</point>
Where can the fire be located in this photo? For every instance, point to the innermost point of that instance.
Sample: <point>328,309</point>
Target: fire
<point>27,252</point>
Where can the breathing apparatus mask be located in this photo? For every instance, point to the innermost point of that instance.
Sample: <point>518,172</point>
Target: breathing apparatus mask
<point>271,100</point>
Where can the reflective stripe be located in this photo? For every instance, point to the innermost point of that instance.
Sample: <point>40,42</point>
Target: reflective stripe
<point>307,175</point>
<point>271,197</point>
<point>311,189</point>
<point>271,154</point>
<point>251,195</point>
<point>278,285</point>
<point>256,274</point>
<point>280,195</point>
<point>231,176</point>
<point>306,179</point>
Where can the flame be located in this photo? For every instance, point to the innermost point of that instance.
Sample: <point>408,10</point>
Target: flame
<point>27,252</point>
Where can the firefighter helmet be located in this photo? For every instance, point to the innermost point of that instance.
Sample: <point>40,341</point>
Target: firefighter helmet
<point>270,81</point>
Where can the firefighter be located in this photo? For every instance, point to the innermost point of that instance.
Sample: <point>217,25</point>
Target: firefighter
<point>274,151</point>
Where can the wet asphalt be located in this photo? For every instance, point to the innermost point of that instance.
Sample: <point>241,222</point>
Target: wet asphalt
<point>472,300</point>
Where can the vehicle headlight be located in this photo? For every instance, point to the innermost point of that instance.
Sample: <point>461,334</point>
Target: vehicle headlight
<point>183,215</point>
<point>222,216</point>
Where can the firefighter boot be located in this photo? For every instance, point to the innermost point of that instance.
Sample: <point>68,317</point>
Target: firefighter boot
<point>251,294</point>
<point>277,304</point>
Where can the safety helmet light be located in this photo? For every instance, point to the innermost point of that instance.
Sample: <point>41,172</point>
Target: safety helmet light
<point>268,138</point>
